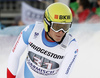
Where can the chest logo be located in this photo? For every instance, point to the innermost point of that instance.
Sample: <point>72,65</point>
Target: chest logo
<point>36,34</point>
<point>45,52</point>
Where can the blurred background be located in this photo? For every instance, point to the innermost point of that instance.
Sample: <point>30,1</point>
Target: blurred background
<point>83,10</point>
<point>17,14</point>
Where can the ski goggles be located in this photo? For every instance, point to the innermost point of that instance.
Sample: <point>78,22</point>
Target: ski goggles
<point>60,26</point>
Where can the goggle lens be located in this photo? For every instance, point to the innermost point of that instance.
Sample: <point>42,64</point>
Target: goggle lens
<point>60,26</point>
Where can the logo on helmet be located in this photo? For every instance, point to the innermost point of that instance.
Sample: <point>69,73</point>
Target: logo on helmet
<point>56,16</point>
<point>62,17</point>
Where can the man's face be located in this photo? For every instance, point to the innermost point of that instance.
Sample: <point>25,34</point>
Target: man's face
<point>98,2</point>
<point>57,36</point>
<point>80,9</point>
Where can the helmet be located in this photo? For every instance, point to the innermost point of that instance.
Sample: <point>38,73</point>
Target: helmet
<point>56,12</point>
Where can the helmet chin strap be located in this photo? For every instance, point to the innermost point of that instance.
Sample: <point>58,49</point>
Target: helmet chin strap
<point>54,40</point>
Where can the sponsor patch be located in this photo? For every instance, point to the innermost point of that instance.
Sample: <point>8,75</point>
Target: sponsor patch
<point>45,52</point>
<point>16,42</point>
<point>56,16</point>
<point>68,69</point>
<point>61,17</point>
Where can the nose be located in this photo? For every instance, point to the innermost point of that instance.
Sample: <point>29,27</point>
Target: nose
<point>61,31</point>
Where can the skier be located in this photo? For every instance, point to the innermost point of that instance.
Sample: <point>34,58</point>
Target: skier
<point>51,49</point>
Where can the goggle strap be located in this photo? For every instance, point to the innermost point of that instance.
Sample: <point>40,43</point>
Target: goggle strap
<point>50,37</point>
<point>48,22</point>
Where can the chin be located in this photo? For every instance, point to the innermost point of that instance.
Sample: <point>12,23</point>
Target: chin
<point>58,40</point>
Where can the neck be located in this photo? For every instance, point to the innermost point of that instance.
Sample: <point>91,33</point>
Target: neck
<point>48,38</point>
